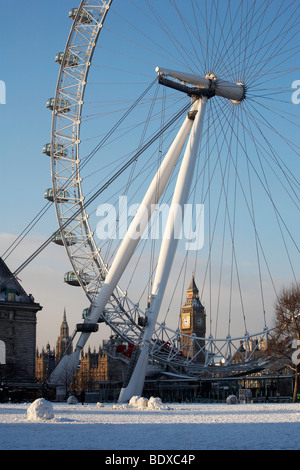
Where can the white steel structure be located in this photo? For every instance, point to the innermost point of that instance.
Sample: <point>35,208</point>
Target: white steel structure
<point>153,340</point>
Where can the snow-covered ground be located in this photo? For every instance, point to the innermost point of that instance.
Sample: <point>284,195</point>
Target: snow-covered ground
<point>174,427</point>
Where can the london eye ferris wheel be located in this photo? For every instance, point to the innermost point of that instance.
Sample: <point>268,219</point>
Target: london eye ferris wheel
<point>173,105</point>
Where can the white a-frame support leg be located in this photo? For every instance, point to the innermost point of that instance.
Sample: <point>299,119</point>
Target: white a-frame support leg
<point>167,252</point>
<point>69,363</point>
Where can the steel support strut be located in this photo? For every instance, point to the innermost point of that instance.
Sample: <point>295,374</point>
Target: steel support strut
<point>167,252</point>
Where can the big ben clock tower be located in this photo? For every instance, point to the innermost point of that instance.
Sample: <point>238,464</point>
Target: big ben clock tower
<point>193,322</point>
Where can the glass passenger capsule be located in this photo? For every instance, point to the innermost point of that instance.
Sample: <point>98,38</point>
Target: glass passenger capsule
<point>71,60</point>
<point>62,196</point>
<point>71,279</point>
<point>58,149</point>
<point>63,106</point>
<point>84,17</point>
<point>87,312</point>
<point>69,237</point>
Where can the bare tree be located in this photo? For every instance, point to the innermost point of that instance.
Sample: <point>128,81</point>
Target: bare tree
<point>285,337</point>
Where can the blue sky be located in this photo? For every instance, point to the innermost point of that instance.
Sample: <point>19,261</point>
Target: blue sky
<point>29,71</point>
<point>31,33</point>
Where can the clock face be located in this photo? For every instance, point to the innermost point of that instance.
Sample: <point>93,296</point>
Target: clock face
<point>186,322</point>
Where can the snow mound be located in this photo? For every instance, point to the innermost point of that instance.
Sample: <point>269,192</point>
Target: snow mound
<point>156,404</point>
<point>231,400</point>
<point>72,400</point>
<point>142,403</point>
<point>120,407</point>
<point>40,410</point>
<point>133,401</point>
<point>138,402</point>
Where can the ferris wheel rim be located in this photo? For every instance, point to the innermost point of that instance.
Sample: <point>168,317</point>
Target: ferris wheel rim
<point>91,251</point>
<point>77,123</point>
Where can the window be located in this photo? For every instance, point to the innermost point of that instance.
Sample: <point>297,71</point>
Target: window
<point>10,295</point>
<point>11,315</point>
<point>7,315</point>
<point>10,349</point>
<point>11,331</point>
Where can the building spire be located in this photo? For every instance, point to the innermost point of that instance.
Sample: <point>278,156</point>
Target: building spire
<point>192,286</point>
<point>64,329</point>
<point>64,339</point>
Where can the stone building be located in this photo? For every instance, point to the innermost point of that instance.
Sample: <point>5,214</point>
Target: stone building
<point>18,312</point>
<point>44,363</point>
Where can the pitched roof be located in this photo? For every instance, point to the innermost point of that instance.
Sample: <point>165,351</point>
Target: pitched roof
<point>194,289</point>
<point>193,286</point>
<point>9,282</point>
